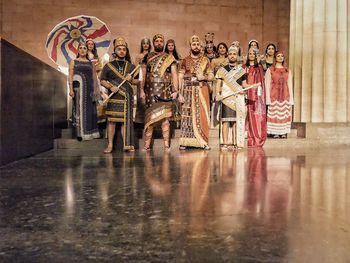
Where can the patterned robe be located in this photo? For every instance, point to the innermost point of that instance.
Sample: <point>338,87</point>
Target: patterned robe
<point>85,88</point>
<point>120,106</point>
<point>279,97</point>
<point>195,111</point>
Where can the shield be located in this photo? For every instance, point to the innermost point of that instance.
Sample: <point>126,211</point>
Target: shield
<point>62,42</point>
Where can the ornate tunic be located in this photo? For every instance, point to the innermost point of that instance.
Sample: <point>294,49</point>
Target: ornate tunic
<point>195,110</point>
<point>158,87</point>
<point>279,97</point>
<point>120,105</point>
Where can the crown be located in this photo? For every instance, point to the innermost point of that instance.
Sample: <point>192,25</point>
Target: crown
<point>119,42</point>
<point>194,38</point>
<point>158,36</point>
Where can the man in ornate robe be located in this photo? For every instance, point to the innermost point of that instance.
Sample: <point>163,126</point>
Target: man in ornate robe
<point>194,74</point>
<point>120,105</point>
<point>230,80</point>
<point>159,88</point>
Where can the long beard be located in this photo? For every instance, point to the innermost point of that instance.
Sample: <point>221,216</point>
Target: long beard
<point>195,52</point>
<point>158,49</point>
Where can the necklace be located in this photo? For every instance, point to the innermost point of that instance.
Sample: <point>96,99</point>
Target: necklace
<point>120,67</point>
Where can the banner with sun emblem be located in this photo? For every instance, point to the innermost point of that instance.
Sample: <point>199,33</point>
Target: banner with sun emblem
<point>62,42</point>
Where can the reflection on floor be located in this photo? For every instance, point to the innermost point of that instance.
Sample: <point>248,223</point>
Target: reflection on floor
<point>195,206</point>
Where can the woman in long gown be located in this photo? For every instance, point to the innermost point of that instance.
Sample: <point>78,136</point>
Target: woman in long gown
<point>279,97</point>
<point>256,108</point>
<point>84,90</point>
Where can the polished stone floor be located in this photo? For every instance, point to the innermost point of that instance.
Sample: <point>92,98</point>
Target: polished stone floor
<point>195,206</point>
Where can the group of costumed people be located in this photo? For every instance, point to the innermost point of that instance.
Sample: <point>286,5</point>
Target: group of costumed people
<point>253,92</point>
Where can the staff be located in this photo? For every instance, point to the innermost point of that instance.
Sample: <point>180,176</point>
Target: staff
<point>237,92</point>
<point>110,95</point>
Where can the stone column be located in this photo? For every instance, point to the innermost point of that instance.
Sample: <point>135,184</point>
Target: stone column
<point>319,44</point>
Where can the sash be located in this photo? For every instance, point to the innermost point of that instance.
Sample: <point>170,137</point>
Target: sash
<point>164,61</point>
<point>235,102</point>
<point>230,84</point>
<point>200,66</point>
<point>128,140</point>
<point>122,76</point>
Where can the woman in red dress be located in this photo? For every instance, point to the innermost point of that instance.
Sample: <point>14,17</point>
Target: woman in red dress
<point>279,97</point>
<point>256,108</point>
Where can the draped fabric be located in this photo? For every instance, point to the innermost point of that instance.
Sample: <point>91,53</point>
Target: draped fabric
<point>158,87</point>
<point>120,106</point>
<point>84,106</point>
<point>195,110</point>
<point>256,108</point>
<point>232,80</point>
<point>279,97</point>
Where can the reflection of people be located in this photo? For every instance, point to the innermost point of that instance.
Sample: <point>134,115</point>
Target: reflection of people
<point>256,114</point>
<point>230,79</point>
<point>84,89</point>
<point>159,73</point>
<point>195,71</point>
<point>120,105</point>
<point>158,176</point>
<point>279,97</point>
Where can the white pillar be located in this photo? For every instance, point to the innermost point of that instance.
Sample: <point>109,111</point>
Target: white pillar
<point>320,44</point>
<point>318,61</point>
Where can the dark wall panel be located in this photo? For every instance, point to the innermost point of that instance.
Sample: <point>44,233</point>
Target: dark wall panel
<point>33,104</point>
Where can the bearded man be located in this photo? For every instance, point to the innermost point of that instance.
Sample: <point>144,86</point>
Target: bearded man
<point>159,87</point>
<point>194,74</point>
<point>231,79</point>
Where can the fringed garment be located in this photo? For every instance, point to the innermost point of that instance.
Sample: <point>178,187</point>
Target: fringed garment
<point>158,88</point>
<point>233,107</point>
<point>195,111</point>
<point>84,102</point>
<point>120,106</point>
<point>279,98</point>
